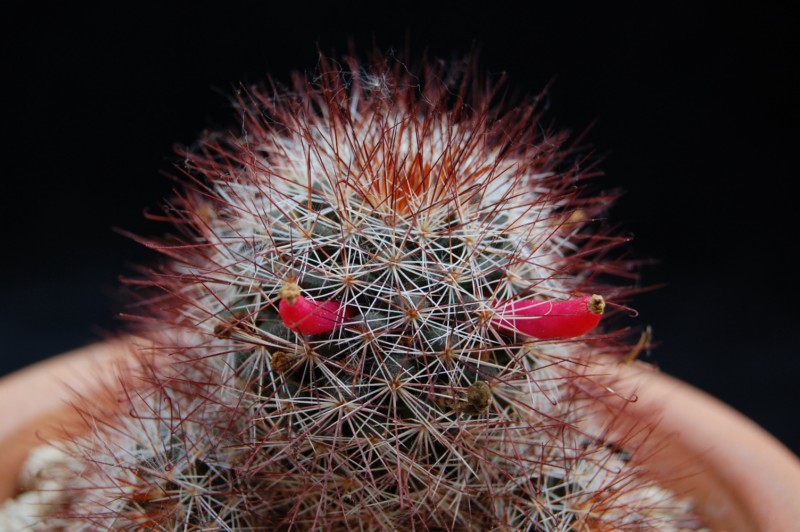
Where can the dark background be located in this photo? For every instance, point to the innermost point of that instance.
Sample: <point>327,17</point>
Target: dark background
<point>696,109</point>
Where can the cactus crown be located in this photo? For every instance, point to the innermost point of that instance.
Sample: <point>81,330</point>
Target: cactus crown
<point>344,314</point>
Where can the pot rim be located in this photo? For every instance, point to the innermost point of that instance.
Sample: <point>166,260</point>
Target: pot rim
<point>739,476</point>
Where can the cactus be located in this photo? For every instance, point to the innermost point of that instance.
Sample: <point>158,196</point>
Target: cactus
<point>378,313</point>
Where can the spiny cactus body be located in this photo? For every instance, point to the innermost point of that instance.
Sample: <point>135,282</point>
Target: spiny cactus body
<point>372,320</point>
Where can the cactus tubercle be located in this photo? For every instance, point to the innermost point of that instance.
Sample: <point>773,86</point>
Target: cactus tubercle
<point>550,319</point>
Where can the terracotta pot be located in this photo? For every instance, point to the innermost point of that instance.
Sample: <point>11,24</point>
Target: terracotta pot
<point>35,401</point>
<point>740,476</point>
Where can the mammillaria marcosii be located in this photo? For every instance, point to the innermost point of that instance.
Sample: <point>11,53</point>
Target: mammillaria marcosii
<point>378,313</point>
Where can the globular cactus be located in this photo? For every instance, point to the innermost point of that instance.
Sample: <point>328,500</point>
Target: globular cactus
<point>378,314</point>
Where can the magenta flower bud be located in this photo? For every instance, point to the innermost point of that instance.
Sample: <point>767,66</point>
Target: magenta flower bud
<point>550,319</point>
<point>306,316</point>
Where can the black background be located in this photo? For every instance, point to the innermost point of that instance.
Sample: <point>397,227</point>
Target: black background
<point>696,109</point>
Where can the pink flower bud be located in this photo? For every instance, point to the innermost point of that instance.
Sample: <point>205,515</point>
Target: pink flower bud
<point>550,319</point>
<point>306,316</point>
